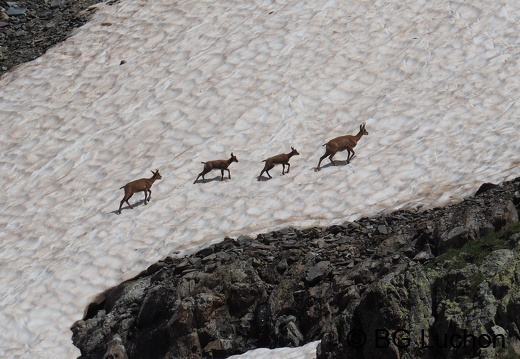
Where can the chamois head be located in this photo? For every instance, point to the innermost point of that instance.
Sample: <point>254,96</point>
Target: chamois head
<point>362,129</point>
<point>156,175</point>
<point>233,158</point>
<point>293,151</point>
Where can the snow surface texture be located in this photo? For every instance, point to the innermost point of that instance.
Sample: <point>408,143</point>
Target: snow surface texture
<point>436,82</point>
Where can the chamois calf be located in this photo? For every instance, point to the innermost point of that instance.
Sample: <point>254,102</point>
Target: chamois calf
<point>343,143</point>
<point>221,165</point>
<point>140,185</point>
<point>282,159</point>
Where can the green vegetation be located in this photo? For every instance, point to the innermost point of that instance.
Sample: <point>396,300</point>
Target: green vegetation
<point>508,353</point>
<point>476,250</point>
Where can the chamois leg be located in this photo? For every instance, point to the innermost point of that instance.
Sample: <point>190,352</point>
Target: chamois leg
<point>330,158</point>
<point>222,174</point>
<point>147,196</point>
<point>266,170</point>
<point>229,173</point>
<point>351,154</point>
<point>125,199</point>
<point>288,167</point>
<point>327,152</point>
<point>201,174</point>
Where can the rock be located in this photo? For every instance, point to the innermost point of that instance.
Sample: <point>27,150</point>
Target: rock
<point>453,238</point>
<point>485,187</point>
<point>294,286</point>
<point>116,349</point>
<point>15,11</point>
<point>29,28</point>
<point>288,331</point>
<point>317,272</point>
<point>423,256</point>
<point>381,229</point>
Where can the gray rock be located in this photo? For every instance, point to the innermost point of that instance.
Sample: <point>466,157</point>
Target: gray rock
<point>116,349</point>
<point>15,11</point>
<point>294,286</point>
<point>317,272</point>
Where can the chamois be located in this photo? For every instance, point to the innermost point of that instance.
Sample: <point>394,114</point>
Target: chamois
<point>278,159</point>
<point>221,165</point>
<point>140,185</point>
<point>343,143</point>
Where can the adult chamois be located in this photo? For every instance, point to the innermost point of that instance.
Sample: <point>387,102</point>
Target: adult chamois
<point>342,143</point>
<point>221,165</point>
<point>140,185</point>
<point>282,159</point>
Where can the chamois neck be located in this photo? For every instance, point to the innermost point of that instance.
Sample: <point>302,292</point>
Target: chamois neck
<point>359,135</point>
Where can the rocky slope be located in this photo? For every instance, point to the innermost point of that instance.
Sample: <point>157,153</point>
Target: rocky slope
<point>29,27</point>
<point>403,285</point>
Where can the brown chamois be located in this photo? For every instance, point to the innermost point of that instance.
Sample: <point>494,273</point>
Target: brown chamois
<point>221,165</point>
<point>140,185</point>
<point>282,159</point>
<point>343,143</point>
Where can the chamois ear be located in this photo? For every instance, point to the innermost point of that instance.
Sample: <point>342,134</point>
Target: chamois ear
<point>152,171</point>
<point>231,154</point>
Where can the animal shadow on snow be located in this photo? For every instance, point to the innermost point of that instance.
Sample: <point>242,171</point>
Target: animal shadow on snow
<point>135,205</point>
<point>263,178</point>
<point>338,164</point>
<point>217,178</point>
